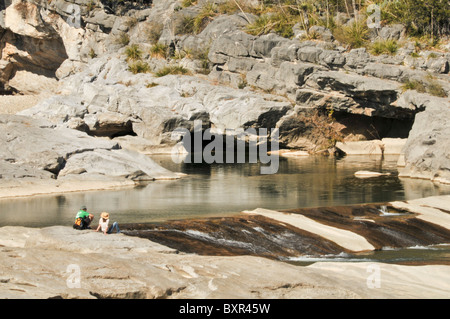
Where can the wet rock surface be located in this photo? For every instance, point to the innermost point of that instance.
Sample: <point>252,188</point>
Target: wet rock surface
<point>232,236</point>
<point>382,225</point>
<point>233,257</point>
<point>396,228</point>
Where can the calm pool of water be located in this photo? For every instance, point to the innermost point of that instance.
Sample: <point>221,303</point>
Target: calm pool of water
<point>226,189</point>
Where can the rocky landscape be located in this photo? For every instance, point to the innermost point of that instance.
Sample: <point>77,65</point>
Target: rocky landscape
<point>99,86</point>
<point>39,158</point>
<point>245,256</point>
<point>101,74</point>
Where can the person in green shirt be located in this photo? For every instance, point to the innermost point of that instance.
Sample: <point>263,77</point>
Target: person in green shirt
<point>83,219</point>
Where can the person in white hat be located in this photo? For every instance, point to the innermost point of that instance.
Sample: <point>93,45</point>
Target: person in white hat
<point>103,224</point>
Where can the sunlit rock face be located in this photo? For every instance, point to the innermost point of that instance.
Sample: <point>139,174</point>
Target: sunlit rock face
<point>32,48</point>
<point>316,92</point>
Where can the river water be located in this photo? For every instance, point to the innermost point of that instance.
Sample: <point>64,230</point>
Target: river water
<point>218,190</point>
<point>226,189</point>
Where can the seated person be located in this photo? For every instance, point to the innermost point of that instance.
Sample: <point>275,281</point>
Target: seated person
<point>103,224</point>
<point>83,219</point>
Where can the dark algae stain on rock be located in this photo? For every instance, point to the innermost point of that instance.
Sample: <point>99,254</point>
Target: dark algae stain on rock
<point>239,235</point>
<point>398,229</point>
<point>384,228</point>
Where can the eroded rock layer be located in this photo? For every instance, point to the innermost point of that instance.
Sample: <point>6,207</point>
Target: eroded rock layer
<point>302,232</point>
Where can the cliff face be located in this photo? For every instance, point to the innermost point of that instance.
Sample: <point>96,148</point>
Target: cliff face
<point>32,49</point>
<point>316,91</point>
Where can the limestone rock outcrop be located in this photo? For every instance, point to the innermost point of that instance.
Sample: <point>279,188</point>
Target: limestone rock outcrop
<point>427,150</point>
<point>108,100</point>
<point>37,153</point>
<point>315,91</point>
<point>50,262</point>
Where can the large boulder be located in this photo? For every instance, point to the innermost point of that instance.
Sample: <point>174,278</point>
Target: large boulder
<point>5,73</point>
<point>263,45</point>
<point>39,36</point>
<point>357,58</point>
<point>427,150</point>
<point>39,147</point>
<point>32,83</point>
<point>232,44</point>
<point>24,18</point>
<point>373,96</point>
<point>392,32</point>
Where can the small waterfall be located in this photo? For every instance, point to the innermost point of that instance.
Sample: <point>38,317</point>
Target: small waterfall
<point>385,212</point>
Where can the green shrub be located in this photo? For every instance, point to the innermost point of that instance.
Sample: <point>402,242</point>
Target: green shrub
<point>280,16</point>
<point>151,85</point>
<point>278,23</point>
<point>153,31</point>
<point>172,69</point>
<point>391,46</point>
<point>130,22</point>
<point>283,24</point>
<point>207,12</point>
<point>377,48</point>
<point>90,5</point>
<point>260,26</point>
<point>133,52</point>
<point>122,39</point>
<point>384,46</point>
<point>430,86</point>
<point>434,88</point>
<point>414,85</point>
<point>202,56</point>
<point>138,67</point>
<point>179,54</point>
<point>355,35</point>
<point>236,6</point>
<point>228,7</point>
<point>420,17</point>
<point>186,26</point>
<point>313,35</point>
<point>188,3</point>
<point>159,50</point>
<point>92,54</point>
<point>242,83</point>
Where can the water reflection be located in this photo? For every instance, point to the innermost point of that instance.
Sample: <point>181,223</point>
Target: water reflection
<point>222,189</point>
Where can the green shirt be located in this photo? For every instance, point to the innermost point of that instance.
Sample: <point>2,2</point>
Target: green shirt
<point>82,214</point>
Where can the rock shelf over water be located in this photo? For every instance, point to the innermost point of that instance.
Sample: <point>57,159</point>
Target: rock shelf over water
<point>38,158</point>
<point>232,257</point>
<point>308,231</point>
